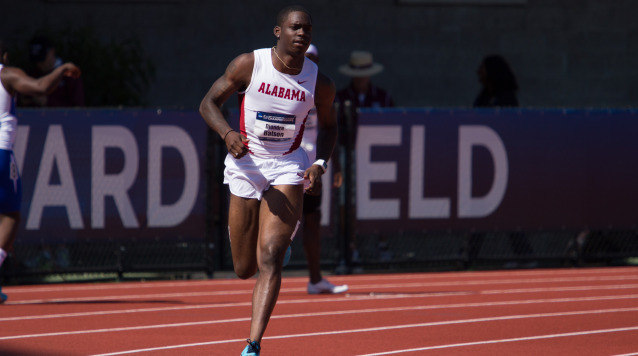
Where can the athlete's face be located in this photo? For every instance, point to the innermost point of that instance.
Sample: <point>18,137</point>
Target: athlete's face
<point>361,84</point>
<point>48,64</point>
<point>295,32</point>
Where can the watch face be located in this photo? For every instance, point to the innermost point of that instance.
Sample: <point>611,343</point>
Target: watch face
<point>322,163</point>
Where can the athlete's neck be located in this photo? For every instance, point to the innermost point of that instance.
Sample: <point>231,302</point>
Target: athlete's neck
<point>286,63</point>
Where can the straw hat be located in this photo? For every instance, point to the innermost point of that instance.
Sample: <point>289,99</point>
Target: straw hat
<point>361,65</point>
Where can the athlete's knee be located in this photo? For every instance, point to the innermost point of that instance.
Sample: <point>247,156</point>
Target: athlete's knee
<point>271,257</point>
<point>245,270</point>
<point>14,215</point>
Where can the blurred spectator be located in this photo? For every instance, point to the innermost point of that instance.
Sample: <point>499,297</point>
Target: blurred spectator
<point>499,83</point>
<point>499,90</point>
<point>43,60</point>
<point>360,93</point>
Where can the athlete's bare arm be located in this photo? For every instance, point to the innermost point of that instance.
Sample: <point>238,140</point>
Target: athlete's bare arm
<point>236,78</point>
<point>17,81</point>
<point>327,122</point>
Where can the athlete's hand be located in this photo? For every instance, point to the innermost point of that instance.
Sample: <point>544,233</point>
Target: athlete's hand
<point>236,144</point>
<point>337,180</point>
<point>313,174</point>
<point>71,70</point>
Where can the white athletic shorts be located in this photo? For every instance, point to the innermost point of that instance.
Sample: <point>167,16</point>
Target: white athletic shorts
<point>250,176</point>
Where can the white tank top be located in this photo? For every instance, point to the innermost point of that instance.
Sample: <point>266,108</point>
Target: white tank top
<point>8,120</point>
<point>274,107</point>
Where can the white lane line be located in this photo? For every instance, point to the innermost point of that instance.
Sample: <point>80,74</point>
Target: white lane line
<point>136,296</point>
<point>309,300</point>
<point>630,354</point>
<point>125,285</point>
<point>341,279</point>
<point>330,300</point>
<point>499,281</point>
<point>396,327</point>
<point>559,289</point>
<point>193,294</point>
<point>315,314</point>
<point>352,288</point>
<point>150,349</point>
<point>527,338</point>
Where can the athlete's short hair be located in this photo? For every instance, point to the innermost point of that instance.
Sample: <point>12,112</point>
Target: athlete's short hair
<point>283,14</point>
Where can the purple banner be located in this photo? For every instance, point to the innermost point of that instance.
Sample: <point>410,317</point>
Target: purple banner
<point>125,174</point>
<point>117,174</point>
<point>496,169</point>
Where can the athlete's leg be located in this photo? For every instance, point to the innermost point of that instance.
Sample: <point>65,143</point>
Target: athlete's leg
<point>279,215</point>
<point>312,247</point>
<point>10,197</point>
<point>8,228</point>
<point>243,226</point>
<point>312,242</point>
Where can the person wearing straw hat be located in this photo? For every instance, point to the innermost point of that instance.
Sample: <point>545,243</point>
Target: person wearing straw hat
<point>360,91</point>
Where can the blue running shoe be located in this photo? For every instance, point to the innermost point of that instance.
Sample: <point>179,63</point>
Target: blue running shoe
<point>3,297</point>
<point>287,256</point>
<point>252,349</point>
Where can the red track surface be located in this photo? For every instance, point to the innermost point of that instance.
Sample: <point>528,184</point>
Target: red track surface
<point>531,312</point>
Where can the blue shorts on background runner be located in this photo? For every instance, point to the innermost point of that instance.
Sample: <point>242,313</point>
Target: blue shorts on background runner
<point>10,183</point>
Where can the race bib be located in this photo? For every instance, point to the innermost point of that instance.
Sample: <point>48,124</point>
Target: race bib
<point>274,127</point>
